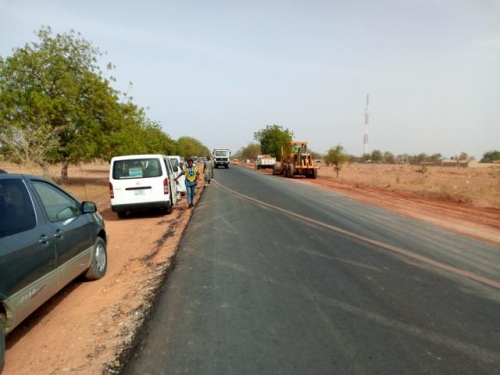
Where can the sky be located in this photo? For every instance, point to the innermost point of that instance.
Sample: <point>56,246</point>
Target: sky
<point>221,70</point>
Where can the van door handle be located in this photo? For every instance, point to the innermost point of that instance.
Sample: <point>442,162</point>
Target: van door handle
<point>59,233</point>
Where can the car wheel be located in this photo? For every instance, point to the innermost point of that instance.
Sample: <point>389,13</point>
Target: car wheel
<point>122,214</point>
<point>99,261</point>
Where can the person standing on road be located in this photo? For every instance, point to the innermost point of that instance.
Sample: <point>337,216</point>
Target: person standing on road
<point>208,171</point>
<point>191,172</point>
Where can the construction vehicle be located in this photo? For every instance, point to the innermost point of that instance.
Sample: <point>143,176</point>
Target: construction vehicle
<point>296,160</point>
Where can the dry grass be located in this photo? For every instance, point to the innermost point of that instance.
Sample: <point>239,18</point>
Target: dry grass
<point>86,182</point>
<point>477,186</point>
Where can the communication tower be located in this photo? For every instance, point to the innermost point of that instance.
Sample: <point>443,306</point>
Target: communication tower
<point>367,122</point>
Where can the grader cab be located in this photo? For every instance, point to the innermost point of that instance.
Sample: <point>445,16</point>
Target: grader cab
<point>296,160</point>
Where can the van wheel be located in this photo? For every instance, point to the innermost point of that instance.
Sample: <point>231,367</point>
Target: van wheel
<point>170,207</point>
<point>122,214</point>
<point>99,261</point>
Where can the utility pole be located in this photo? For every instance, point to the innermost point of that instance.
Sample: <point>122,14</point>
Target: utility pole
<point>367,122</point>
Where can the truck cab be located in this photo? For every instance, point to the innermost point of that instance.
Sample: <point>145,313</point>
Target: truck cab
<point>221,157</point>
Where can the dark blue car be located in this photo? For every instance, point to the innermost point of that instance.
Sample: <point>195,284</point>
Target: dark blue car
<point>47,239</point>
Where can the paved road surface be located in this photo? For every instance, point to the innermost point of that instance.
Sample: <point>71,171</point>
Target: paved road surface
<point>276,276</point>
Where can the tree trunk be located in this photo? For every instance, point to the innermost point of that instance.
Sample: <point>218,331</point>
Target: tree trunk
<point>64,171</point>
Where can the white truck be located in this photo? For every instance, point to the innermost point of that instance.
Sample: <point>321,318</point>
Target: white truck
<point>264,161</point>
<point>221,157</point>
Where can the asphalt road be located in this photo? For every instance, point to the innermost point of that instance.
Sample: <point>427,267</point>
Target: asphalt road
<point>276,276</point>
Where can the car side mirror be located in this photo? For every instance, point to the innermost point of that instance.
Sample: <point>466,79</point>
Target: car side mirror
<point>89,207</point>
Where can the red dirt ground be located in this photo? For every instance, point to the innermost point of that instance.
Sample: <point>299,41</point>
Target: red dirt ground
<point>88,327</point>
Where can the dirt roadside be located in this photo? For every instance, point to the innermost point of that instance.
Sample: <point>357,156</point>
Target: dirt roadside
<point>88,327</point>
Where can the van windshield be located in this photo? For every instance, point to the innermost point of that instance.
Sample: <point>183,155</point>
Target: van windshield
<point>136,168</point>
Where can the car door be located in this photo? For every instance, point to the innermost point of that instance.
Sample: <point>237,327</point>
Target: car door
<point>71,228</point>
<point>171,183</point>
<point>27,254</point>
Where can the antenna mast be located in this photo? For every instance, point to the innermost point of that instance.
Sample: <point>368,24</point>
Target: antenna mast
<point>367,122</point>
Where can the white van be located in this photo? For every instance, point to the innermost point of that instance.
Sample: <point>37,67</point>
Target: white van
<point>139,182</point>
<point>178,161</point>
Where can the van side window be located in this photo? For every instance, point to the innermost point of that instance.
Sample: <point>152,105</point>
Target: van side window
<point>16,208</point>
<point>175,163</point>
<point>153,168</point>
<point>58,205</point>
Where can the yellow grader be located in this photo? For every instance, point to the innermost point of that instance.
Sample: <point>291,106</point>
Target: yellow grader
<point>296,160</point>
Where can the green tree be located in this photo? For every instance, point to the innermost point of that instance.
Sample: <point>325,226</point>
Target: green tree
<point>55,86</point>
<point>128,136</point>
<point>155,140</point>
<point>376,156</point>
<point>336,156</point>
<point>463,156</point>
<point>435,157</point>
<point>250,152</point>
<point>420,158</point>
<point>491,156</point>
<point>188,146</point>
<point>389,158</point>
<point>272,139</point>
<point>403,158</point>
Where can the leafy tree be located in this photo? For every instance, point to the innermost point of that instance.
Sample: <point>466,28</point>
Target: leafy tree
<point>389,158</point>
<point>366,157</point>
<point>420,158</point>
<point>188,146</point>
<point>463,156</point>
<point>491,156</point>
<point>336,156</point>
<point>376,156</point>
<point>403,158</point>
<point>272,139</point>
<point>435,157</point>
<point>55,86</point>
<point>250,152</point>
<point>127,137</point>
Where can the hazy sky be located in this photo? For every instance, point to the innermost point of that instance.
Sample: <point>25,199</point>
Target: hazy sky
<point>221,70</point>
